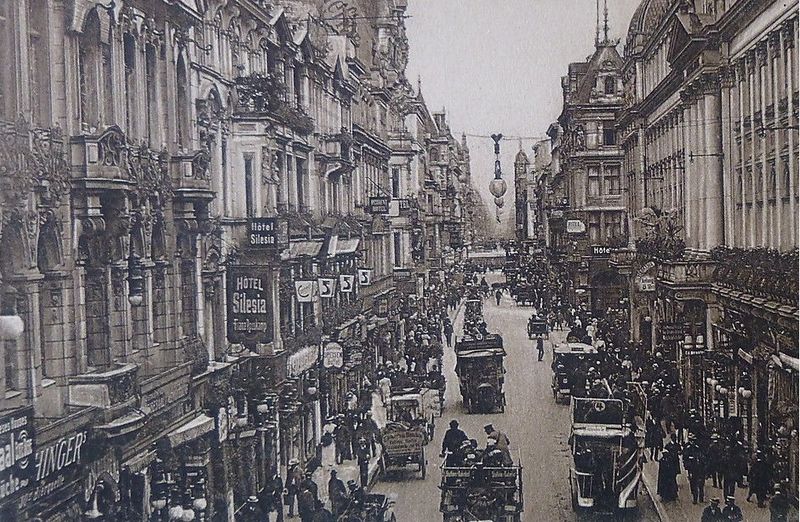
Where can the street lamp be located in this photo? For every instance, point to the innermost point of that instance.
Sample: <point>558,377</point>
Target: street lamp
<point>498,185</point>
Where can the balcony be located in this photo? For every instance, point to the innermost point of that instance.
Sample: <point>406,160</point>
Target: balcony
<point>260,96</point>
<point>622,259</point>
<point>762,274</point>
<point>686,272</point>
<point>111,389</point>
<point>190,175</point>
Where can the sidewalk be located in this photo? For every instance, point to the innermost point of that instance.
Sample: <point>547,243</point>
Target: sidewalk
<point>348,470</point>
<point>683,510</point>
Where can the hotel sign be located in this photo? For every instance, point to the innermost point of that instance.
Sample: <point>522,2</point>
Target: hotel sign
<point>249,293</point>
<point>268,233</point>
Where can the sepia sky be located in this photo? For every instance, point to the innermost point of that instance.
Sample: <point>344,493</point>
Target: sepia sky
<point>496,66</point>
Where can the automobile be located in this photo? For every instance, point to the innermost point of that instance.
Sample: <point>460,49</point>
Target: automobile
<point>606,468</point>
<point>403,445</point>
<point>570,364</point>
<point>415,408</point>
<point>479,366</point>
<point>481,493</point>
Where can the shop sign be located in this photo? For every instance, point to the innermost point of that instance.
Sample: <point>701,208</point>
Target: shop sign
<point>364,276</point>
<point>347,283</point>
<point>16,453</point>
<point>646,283</point>
<point>304,290</point>
<point>402,274</point>
<point>601,251</point>
<point>333,355</point>
<point>671,332</point>
<point>379,205</point>
<point>575,226</point>
<point>249,295</point>
<point>327,286</point>
<point>646,268</point>
<point>382,306</point>
<point>557,214</point>
<point>302,360</point>
<point>268,233</point>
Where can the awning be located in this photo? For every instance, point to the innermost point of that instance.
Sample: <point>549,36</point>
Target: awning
<point>193,429</point>
<point>303,248</point>
<point>347,246</point>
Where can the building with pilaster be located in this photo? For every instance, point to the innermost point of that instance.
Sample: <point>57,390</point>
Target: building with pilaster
<point>709,133</point>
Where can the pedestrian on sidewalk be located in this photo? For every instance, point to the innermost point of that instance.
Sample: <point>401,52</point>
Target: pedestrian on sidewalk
<point>731,475</point>
<point>337,494</point>
<point>731,512</point>
<point>778,505</point>
<point>294,476</point>
<point>540,348</point>
<point>342,440</point>
<point>667,487</point>
<point>715,460</point>
<point>305,505</point>
<point>272,499</point>
<point>759,478</point>
<point>321,514</point>
<point>308,484</point>
<point>712,512</point>
<point>498,295</point>
<point>448,331</point>
<point>362,453</point>
<point>694,462</point>
<point>368,429</point>
<point>251,511</point>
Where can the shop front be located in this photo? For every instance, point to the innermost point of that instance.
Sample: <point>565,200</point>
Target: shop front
<point>300,408</point>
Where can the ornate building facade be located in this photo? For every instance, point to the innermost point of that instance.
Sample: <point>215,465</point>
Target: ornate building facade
<point>143,144</point>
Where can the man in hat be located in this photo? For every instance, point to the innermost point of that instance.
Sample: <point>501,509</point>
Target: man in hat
<point>453,438</point>
<point>540,348</point>
<point>502,442</point>
<point>337,493</point>
<point>272,496</point>
<point>309,484</point>
<point>694,462</point>
<point>778,505</point>
<point>759,477</point>
<point>342,439</point>
<point>712,512</point>
<point>715,459</point>
<point>362,454</point>
<point>305,504</point>
<point>294,476</point>
<point>731,511</point>
<point>321,514</point>
<point>252,511</point>
<point>368,429</point>
<point>356,494</point>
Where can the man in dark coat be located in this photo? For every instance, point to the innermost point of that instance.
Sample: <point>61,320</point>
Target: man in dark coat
<point>540,348</point>
<point>712,512</point>
<point>667,471</point>
<point>309,484</point>
<point>305,505</point>
<point>778,505</point>
<point>272,496</point>
<point>731,512</point>
<point>293,478</point>
<point>368,429</point>
<point>715,459</point>
<point>342,438</point>
<point>321,514</point>
<point>694,462</point>
<point>337,493</point>
<point>453,438</point>
<point>448,331</point>
<point>759,478</point>
<point>362,454</point>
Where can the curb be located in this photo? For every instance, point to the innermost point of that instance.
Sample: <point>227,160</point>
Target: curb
<point>660,510</point>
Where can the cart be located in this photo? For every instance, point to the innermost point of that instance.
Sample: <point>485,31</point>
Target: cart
<point>413,406</point>
<point>403,445</point>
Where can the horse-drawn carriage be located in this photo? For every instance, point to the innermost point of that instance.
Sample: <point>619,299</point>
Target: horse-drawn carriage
<point>416,407</point>
<point>537,328</point>
<point>479,366</point>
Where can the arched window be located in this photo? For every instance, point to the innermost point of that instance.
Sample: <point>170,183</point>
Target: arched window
<point>183,109</point>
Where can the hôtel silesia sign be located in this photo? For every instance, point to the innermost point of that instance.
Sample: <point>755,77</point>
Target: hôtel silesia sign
<point>249,294</point>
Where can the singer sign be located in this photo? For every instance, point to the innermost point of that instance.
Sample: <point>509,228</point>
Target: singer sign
<point>249,292</point>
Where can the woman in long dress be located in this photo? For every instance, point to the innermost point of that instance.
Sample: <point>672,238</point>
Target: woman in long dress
<point>667,472</point>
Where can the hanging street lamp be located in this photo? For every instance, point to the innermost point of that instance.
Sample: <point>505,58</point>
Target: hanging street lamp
<point>498,185</point>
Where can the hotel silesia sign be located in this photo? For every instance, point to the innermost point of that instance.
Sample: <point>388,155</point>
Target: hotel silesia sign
<point>249,294</point>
